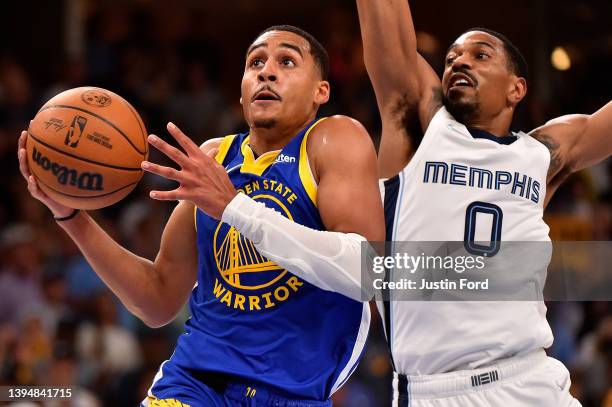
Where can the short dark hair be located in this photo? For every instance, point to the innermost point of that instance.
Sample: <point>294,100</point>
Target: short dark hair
<point>518,64</point>
<point>318,52</point>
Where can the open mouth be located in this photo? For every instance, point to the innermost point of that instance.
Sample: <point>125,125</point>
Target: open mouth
<point>460,80</point>
<point>266,95</point>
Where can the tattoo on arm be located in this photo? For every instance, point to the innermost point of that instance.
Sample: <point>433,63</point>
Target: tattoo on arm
<point>556,167</point>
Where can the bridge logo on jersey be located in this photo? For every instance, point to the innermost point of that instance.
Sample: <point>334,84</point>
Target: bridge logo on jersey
<point>246,279</point>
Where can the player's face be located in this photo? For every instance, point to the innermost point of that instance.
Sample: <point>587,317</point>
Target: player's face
<point>477,80</point>
<point>281,81</point>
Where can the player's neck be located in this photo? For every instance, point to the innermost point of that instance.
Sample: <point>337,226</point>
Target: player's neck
<point>262,140</point>
<point>497,125</point>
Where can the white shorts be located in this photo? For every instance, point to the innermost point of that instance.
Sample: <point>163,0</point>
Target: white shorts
<point>530,380</point>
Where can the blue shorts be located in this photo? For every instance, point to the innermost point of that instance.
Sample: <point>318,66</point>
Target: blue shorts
<point>216,390</point>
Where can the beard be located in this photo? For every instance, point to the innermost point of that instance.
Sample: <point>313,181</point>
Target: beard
<point>264,124</point>
<point>462,111</point>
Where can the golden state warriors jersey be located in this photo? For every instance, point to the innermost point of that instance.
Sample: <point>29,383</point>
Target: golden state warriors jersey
<point>252,319</point>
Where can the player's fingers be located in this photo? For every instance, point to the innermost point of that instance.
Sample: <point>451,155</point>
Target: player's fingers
<point>22,140</point>
<point>171,152</point>
<point>189,146</point>
<point>23,163</point>
<point>173,195</point>
<point>34,190</point>
<point>162,171</point>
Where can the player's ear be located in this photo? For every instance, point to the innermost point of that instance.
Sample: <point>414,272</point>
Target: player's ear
<point>322,93</point>
<point>517,91</point>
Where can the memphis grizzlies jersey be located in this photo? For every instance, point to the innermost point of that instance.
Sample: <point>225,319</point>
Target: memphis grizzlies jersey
<point>458,182</point>
<point>253,320</point>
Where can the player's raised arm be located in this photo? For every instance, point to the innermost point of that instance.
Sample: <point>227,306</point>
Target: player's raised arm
<point>389,49</point>
<point>575,142</point>
<point>408,91</point>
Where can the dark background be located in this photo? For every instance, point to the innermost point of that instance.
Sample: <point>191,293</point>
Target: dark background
<point>182,61</point>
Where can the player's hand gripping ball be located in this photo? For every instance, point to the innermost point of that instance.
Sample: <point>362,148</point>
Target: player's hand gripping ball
<point>85,147</point>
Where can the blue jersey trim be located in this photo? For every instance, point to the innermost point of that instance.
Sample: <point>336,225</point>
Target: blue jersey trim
<point>477,133</point>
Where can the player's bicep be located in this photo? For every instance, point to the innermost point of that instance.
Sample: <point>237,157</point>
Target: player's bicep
<point>348,197</point>
<point>176,263</point>
<point>430,98</point>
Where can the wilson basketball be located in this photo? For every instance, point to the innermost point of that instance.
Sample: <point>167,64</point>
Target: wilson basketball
<point>85,146</point>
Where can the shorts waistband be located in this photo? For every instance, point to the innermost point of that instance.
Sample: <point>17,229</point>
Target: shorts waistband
<point>463,380</point>
<point>266,396</point>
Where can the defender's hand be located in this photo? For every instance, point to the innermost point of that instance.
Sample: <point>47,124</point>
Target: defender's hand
<point>202,180</point>
<point>56,208</point>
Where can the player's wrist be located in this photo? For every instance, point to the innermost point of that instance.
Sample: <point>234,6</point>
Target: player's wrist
<point>66,217</point>
<point>237,208</point>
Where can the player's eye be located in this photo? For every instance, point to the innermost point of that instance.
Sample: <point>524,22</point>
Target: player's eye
<point>256,62</point>
<point>288,62</point>
<point>450,59</point>
<point>482,55</point>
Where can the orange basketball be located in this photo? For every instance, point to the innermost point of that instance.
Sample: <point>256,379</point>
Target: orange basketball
<point>85,146</point>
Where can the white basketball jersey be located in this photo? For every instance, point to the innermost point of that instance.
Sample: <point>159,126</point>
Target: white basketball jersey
<point>428,201</point>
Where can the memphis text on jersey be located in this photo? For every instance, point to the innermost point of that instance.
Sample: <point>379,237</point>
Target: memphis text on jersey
<point>249,281</point>
<point>458,174</point>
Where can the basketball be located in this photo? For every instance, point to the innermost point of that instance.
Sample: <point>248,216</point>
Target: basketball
<point>85,146</point>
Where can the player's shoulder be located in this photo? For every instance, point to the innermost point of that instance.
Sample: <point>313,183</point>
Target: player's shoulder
<point>339,129</point>
<point>211,144</point>
<point>340,138</point>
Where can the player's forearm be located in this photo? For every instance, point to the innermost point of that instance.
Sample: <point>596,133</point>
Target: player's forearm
<point>596,143</point>
<point>389,41</point>
<point>329,260</point>
<point>132,278</point>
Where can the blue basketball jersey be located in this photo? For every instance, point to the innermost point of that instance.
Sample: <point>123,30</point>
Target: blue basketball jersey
<point>252,319</point>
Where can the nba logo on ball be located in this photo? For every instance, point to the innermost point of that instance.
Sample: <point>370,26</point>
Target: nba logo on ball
<point>85,147</point>
<point>75,131</point>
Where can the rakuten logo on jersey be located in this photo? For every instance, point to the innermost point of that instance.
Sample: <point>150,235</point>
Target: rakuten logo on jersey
<point>282,158</point>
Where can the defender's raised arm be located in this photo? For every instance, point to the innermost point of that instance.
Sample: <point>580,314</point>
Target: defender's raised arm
<point>407,89</point>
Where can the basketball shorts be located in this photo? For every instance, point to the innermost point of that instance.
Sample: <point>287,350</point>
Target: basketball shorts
<point>530,380</point>
<point>216,390</point>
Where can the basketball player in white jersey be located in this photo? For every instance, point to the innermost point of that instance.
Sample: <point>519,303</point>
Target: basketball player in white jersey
<point>468,353</point>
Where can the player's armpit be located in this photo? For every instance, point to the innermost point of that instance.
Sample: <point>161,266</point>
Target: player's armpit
<point>405,121</point>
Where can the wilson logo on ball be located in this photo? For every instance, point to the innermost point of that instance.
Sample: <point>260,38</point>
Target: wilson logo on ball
<point>69,176</point>
<point>75,131</point>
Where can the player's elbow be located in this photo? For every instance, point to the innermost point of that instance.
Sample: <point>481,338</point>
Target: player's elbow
<point>153,315</point>
<point>155,323</point>
<point>157,320</point>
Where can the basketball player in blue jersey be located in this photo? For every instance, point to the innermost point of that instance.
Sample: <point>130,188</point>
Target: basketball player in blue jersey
<point>292,195</point>
<point>449,158</point>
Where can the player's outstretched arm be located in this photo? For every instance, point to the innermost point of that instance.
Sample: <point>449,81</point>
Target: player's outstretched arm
<point>408,91</point>
<point>575,142</point>
<point>154,291</point>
